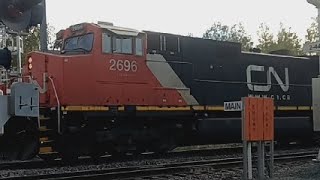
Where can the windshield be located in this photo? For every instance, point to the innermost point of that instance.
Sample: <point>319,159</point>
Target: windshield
<point>83,42</point>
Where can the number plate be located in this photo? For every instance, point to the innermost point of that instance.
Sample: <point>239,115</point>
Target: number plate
<point>123,65</point>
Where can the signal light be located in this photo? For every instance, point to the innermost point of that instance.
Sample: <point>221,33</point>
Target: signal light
<point>30,60</point>
<point>5,58</point>
<point>30,63</point>
<point>19,15</point>
<point>30,66</point>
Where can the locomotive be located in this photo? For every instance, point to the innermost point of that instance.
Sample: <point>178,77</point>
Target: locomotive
<point>118,90</point>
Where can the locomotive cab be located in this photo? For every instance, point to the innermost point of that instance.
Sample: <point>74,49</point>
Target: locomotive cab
<point>111,57</point>
<point>103,38</point>
<point>96,59</point>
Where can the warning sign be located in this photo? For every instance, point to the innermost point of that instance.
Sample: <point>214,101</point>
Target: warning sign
<point>258,119</point>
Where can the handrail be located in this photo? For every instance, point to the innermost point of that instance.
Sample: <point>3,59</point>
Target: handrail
<point>43,89</point>
<point>58,102</point>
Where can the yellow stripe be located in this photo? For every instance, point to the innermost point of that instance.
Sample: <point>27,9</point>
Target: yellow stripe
<point>85,108</point>
<point>121,108</point>
<point>304,108</point>
<point>311,107</point>
<point>215,108</point>
<point>187,108</point>
<point>287,108</point>
<point>155,108</point>
<point>198,108</point>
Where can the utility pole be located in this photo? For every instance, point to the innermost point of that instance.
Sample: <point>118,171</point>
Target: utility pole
<point>314,46</point>
<point>316,3</point>
<point>44,29</point>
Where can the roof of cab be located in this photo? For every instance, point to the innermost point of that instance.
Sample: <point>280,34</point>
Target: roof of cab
<point>118,30</point>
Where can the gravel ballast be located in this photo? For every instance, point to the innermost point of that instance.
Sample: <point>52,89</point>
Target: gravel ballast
<point>304,169</point>
<point>298,170</point>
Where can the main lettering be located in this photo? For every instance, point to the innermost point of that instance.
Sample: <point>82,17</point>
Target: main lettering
<point>233,106</point>
<point>256,86</point>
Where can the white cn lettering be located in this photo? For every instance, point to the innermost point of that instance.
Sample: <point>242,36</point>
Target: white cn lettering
<point>270,72</point>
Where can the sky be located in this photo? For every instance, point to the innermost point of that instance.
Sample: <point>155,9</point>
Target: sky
<point>184,16</point>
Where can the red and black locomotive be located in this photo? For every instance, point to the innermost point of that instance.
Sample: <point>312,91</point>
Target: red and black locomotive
<point>118,90</point>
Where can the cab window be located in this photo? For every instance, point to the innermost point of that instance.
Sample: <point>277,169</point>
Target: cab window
<point>106,43</point>
<point>122,45</point>
<point>79,43</point>
<point>139,48</point>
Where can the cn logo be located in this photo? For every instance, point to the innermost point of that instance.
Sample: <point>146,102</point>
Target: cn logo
<point>256,86</point>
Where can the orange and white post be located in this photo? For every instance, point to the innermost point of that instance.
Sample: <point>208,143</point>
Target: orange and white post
<point>258,128</point>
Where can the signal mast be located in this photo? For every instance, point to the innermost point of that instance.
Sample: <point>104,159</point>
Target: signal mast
<point>16,18</point>
<point>315,48</point>
<point>316,3</point>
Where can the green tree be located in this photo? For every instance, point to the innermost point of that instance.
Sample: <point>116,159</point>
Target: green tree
<point>235,33</point>
<point>289,40</point>
<point>31,42</point>
<point>266,40</point>
<point>285,40</point>
<point>313,32</point>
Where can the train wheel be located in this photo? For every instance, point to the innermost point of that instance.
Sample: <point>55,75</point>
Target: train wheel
<point>29,146</point>
<point>316,138</point>
<point>116,153</point>
<point>21,139</point>
<point>96,153</point>
<point>164,145</point>
<point>9,152</point>
<point>68,152</point>
<point>48,158</point>
<point>70,145</point>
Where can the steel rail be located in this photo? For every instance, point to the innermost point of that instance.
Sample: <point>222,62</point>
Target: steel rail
<point>172,168</point>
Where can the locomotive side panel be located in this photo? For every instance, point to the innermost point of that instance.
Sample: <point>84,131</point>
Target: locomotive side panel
<point>281,78</point>
<point>209,58</point>
<point>219,71</point>
<point>286,79</point>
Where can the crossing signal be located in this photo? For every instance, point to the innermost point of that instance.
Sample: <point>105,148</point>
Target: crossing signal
<point>5,58</point>
<point>20,15</point>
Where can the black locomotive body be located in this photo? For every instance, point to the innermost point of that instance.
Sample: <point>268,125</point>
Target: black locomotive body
<point>218,72</point>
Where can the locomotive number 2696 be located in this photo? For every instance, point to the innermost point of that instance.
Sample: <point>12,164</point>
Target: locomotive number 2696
<point>123,65</point>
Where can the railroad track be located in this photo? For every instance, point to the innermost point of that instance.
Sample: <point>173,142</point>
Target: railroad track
<point>171,168</point>
<point>38,163</point>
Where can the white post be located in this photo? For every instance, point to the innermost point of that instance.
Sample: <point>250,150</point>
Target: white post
<point>250,175</point>
<point>247,160</point>
<point>261,164</point>
<point>19,64</point>
<point>319,67</point>
<point>18,53</point>
<point>318,20</point>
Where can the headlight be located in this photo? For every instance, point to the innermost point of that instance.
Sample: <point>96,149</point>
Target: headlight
<point>30,60</point>
<point>30,63</point>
